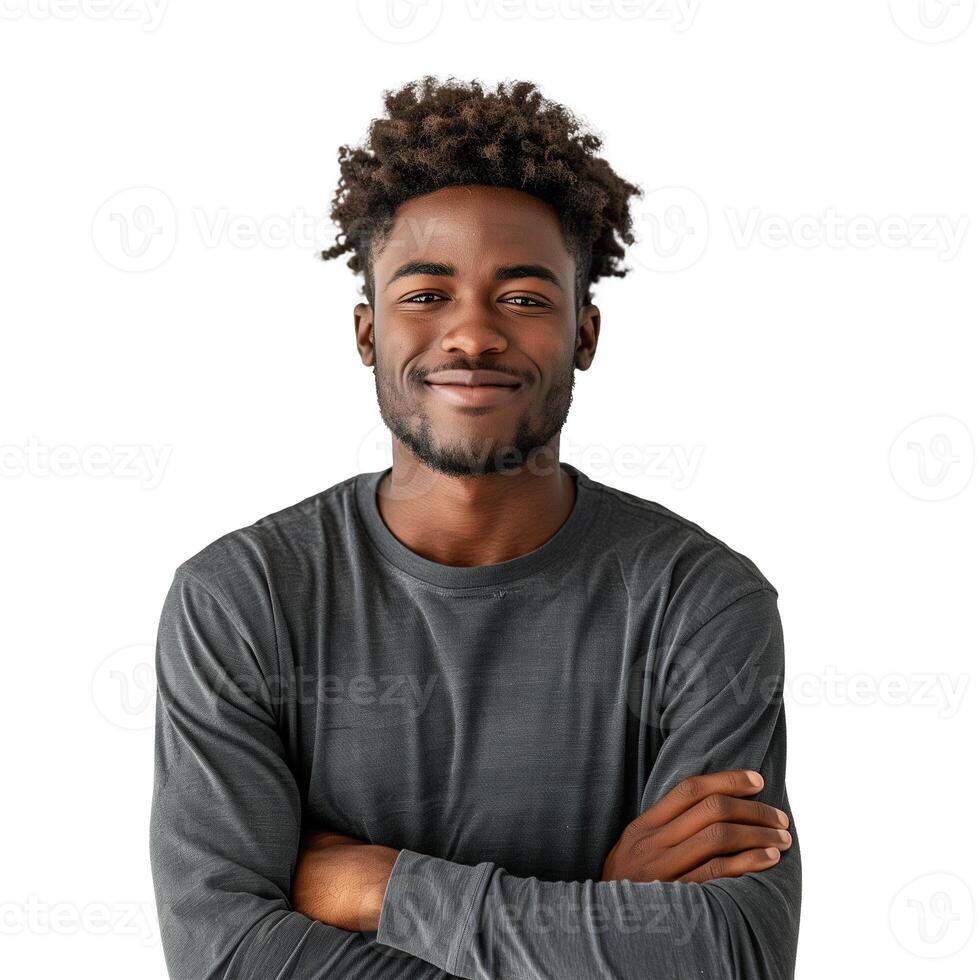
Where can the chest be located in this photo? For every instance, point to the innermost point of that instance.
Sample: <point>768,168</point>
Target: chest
<point>474,733</point>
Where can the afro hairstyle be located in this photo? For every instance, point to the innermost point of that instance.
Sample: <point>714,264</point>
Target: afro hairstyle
<point>439,134</point>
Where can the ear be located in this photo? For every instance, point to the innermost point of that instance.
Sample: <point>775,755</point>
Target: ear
<point>588,336</point>
<point>364,332</point>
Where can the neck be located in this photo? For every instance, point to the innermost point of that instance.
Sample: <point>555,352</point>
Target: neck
<point>475,520</point>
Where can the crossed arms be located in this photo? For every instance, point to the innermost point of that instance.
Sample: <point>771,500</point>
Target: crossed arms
<point>687,891</point>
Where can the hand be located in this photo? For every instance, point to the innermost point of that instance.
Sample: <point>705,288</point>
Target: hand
<point>700,830</point>
<point>341,881</point>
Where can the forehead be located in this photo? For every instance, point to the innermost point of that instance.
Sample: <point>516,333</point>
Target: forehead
<point>475,224</point>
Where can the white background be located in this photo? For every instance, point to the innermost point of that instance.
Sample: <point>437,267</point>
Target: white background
<point>791,364</point>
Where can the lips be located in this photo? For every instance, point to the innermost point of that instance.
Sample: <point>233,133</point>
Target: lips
<point>473,389</point>
<point>473,379</point>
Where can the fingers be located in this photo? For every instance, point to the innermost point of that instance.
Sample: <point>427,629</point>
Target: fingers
<point>702,826</point>
<point>721,840</point>
<point>733,865</point>
<point>694,789</point>
<point>718,808</point>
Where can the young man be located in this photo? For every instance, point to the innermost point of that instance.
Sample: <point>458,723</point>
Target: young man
<point>476,714</point>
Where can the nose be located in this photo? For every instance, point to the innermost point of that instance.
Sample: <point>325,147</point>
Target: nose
<point>473,333</point>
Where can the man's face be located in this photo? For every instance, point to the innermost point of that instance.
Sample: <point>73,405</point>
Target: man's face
<point>454,291</point>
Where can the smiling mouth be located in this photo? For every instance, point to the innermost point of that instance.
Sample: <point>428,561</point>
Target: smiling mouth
<point>473,396</point>
<point>447,384</point>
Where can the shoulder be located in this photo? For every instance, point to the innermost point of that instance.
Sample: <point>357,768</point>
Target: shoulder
<point>694,573</point>
<point>285,543</point>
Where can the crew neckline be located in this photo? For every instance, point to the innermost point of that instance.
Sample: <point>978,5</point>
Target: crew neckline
<point>561,544</point>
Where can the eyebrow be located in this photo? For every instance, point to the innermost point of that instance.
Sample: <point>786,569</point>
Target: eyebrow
<point>502,273</point>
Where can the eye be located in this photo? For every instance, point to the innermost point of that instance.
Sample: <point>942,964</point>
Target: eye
<point>529,299</point>
<point>526,301</point>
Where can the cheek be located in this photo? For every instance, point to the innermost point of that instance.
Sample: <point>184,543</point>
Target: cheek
<point>554,364</point>
<point>403,350</point>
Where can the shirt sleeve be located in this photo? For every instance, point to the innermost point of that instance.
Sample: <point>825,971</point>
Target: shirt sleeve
<point>226,816</point>
<point>718,704</point>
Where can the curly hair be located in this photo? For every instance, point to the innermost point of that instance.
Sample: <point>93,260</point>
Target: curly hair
<point>440,134</point>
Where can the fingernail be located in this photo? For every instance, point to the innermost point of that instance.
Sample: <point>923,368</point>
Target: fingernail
<point>755,779</point>
<point>785,837</point>
<point>772,853</point>
<point>783,817</point>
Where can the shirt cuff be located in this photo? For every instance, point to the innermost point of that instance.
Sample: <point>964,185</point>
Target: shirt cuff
<point>429,906</point>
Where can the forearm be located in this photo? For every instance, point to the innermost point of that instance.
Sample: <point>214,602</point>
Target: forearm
<point>341,881</point>
<point>220,918</point>
<point>289,946</point>
<point>481,922</point>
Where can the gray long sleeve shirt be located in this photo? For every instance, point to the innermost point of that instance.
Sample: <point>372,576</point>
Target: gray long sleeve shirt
<point>499,724</point>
